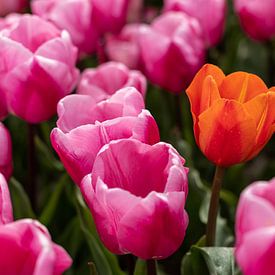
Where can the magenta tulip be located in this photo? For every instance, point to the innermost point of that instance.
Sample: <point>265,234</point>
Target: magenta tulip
<point>78,148</point>
<point>173,60</point>
<point>124,47</point>
<point>135,9</point>
<point>210,14</point>
<point>98,83</point>
<point>257,18</point>
<point>5,152</point>
<point>75,16</point>
<point>77,110</point>
<point>255,229</point>
<point>3,104</point>
<point>9,6</point>
<point>151,181</point>
<point>6,215</point>
<point>39,67</point>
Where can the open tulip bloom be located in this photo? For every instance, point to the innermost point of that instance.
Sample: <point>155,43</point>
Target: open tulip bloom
<point>136,193</point>
<point>234,115</point>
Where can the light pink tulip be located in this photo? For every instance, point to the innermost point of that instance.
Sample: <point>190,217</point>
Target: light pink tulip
<point>77,110</point>
<point>9,6</point>
<point>255,229</point>
<point>39,67</point>
<point>151,181</point>
<point>257,18</point>
<point>124,47</point>
<point>179,52</point>
<point>78,148</point>
<point>210,14</point>
<point>75,16</point>
<point>5,152</point>
<point>6,215</point>
<point>98,83</point>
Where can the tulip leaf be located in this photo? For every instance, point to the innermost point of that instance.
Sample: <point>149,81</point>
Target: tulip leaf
<point>140,268</point>
<point>208,261</point>
<point>20,201</point>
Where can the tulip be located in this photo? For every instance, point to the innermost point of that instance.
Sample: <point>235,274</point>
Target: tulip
<point>179,52</point>
<point>151,181</point>
<point>78,148</point>
<point>75,16</point>
<point>135,9</point>
<point>5,202</point>
<point>5,152</point>
<point>255,229</point>
<point>257,18</point>
<point>210,14</point>
<point>233,115</point>
<point>77,110</point>
<point>3,104</point>
<point>98,84</point>
<point>38,67</point>
<point>124,47</point>
<point>9,6</point>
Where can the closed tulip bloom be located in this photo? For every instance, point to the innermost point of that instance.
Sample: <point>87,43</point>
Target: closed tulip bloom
<point>38,67</point>
<point>257,18</point>
<point>77,110</point>
<point>9,6</point>
<point>75,16</point>
<point>6,166</point>
<point>255,229</point>
<point>233,115</point>
<point>98,83</point>
<point>78,148</point>
<point>179,52</point>
<point>210,14</point>
<point>3,104</point>
<point>6,215</point>
<point>152,182</point>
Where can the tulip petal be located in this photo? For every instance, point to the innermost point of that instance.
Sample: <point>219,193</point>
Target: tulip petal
<point>242,86</point>
<point>227,133</point>
<point>155,227</point>
<point>6,215</point>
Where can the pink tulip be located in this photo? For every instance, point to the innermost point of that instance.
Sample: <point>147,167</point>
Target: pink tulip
<point>210,14</point>
<point>78,148</point>
<point>257,18</point>
<point>135,9</point>
<point>77,110</point>
<point>75,16</point>
<point>124,47</point>
<point>172,50</point>
<point>9,6</point>
<point>98,83</point>
<point>39,67</point>
<point>136,193</point>
<point>5,152</point>
<point>6,215</point>
<point>255,229</point>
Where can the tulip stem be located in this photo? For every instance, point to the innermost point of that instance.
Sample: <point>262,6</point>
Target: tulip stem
<point>271,62</point>
<point>178,112</point>
<point>31,186</point>
<point>151,267</point>
<point>214,206</point>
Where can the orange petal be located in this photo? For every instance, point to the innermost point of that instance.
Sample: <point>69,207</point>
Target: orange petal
<point>242,86</point>
<point>195,90</point>
<point>227,132</point>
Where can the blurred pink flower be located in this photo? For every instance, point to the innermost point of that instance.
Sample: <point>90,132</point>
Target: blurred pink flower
<point>9,6</point>
<point>210,14</point>
<point>135,11</point>
<point>75,16</point>
<point>38,67</point>
<point>172,50</point>
<point>136,193</point>
<point>255,229</point>
<point>98,83</point>
<point>5,152</point>
<point>124,47</point>
<point>257,18</point>
<point>6,215</point>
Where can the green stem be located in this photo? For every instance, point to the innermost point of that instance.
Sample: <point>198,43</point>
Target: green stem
<point>178,113</point>
<point>270,62</point>
<point>151,267</point>
<point>214,206</point>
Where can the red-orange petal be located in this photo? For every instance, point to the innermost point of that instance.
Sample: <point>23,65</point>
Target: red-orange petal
<point>242,86</point>
<point>226,132</point>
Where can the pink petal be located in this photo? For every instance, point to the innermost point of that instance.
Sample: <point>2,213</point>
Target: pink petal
<point>6,215</point>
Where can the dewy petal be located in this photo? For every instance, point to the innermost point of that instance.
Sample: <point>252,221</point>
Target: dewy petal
<point>6,215</point>
<point>154,227</point>
<point>227,133</point>
<point>242,86</point>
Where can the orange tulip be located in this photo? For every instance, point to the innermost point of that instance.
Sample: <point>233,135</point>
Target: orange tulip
<point>234,115</point>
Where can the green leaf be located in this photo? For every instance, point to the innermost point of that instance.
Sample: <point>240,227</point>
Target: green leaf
<point>20,201</point>
<point>140,268</point>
